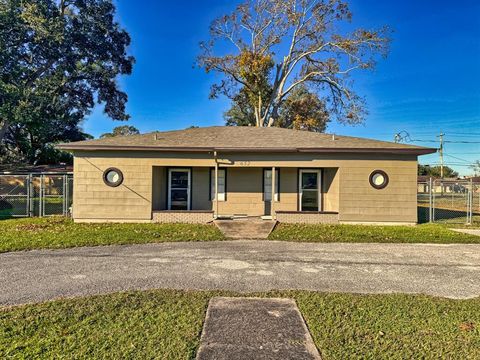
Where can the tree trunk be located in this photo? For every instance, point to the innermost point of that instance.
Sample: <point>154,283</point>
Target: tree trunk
<point>273,116</point>
<point>258,118</point>
<point>3,129</point>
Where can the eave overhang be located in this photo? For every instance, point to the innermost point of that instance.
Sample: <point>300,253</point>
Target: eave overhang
<point>411,151</point>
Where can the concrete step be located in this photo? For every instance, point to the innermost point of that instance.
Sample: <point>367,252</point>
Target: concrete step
<point>254,328</point>
<point>245,228</point>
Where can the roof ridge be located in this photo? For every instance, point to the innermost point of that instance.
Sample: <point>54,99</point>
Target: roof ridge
<point>239,138</point>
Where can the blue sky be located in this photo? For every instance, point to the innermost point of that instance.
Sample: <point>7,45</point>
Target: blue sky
<point>428,84</point>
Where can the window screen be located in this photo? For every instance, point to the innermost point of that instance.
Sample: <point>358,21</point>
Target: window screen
<point>267,184</point>
<point>221,184</point>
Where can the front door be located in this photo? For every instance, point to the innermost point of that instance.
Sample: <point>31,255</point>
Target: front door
<point>179,189</point>
<point>309,190</point>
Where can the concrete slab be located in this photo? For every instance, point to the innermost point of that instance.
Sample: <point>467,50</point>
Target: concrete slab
<point>246,228</point>
<point>255,328</point>
<point>468,231</point>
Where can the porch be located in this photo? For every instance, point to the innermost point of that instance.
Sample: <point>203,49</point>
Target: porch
<point>189,194</point>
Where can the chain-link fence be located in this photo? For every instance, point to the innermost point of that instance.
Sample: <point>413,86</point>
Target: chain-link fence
<point>449,201</point>
<point>35,194</point>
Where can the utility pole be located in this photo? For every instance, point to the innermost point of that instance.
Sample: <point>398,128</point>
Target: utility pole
<point>441,154</point>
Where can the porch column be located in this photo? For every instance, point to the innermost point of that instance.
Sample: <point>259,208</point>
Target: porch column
<point>272,206</point>
<point>216,187</point>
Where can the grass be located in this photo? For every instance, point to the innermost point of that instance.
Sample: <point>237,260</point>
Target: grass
<point>18,206</point>
<point>59,232</point>
<point>425,233</point>
<point>166,324</point>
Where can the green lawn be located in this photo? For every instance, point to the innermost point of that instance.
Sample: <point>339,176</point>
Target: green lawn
<point>59,232</point>
<point>18,206</point>
<point>166,324</point>
<point>425,233</point>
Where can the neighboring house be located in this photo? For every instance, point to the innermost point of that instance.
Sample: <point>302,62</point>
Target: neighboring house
<point>441,186</point>
<point>445,185</point>
<point>173,176</point>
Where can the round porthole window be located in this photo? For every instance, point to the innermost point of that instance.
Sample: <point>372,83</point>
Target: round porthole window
<point>112,177</point>
<point>379,179</point>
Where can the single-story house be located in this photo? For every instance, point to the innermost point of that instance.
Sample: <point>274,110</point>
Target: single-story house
<point>199,174</point>
<point>441,186</point>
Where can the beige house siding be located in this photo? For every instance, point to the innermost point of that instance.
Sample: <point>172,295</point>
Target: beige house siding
<point>331,189</point>
<point>244,192</point>
<point>346,190</point>
<point>201,189</point>
<point>359,202</point>
<point>92,199</point>
<point>159,188</point>
<point>288,190</point>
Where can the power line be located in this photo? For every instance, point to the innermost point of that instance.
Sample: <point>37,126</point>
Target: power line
<point>462,133</point>
<point>450,164</point>
<point>454,157</point>
<point>404,136</point>
<point>467,153</point>
<point>446,141</point>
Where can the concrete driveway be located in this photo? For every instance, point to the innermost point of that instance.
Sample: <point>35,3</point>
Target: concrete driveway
<point>442,270</point>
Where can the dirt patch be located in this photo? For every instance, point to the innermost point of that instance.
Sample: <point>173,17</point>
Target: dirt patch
<point>467,326</point>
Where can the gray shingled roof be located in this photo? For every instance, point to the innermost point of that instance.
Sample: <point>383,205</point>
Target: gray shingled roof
<point>252,139</point>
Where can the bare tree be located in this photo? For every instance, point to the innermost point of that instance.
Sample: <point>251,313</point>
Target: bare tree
<point>276,45</point>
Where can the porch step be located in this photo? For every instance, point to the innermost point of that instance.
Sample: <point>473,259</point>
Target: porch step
<point>248,228</point>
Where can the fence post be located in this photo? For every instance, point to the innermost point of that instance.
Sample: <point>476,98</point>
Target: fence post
<point>470,204</point>
<point>64,204</point>
<point>40,202</point>
<point>27,186</point>
<point>30,195</point>
<point>67,195</point>
<point>430,200</point>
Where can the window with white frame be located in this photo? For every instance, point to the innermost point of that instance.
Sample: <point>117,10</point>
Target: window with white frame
<point>222,174</point>
<point>267,184</point>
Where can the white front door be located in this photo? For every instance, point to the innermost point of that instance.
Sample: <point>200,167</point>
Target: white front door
<point>309,190</point>
<point>179,189</point>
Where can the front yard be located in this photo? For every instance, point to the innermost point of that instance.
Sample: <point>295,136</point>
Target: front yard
<point>59,232</point>
<point>424,233</point>
<point>166,324</point>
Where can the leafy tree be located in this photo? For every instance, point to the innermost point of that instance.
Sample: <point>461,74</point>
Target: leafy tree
<point>276,46</point>
<point>434,171</point>
<point>301,110</point>
<point>57,58</point>
<point>33,142</point>
<point>123,130</point>
<point>241,112</point>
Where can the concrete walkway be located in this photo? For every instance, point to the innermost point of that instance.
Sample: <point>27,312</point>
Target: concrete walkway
<point>246,266</point>
<point>252,328</point>
<point>246,228</point>
<point>468,231</point>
